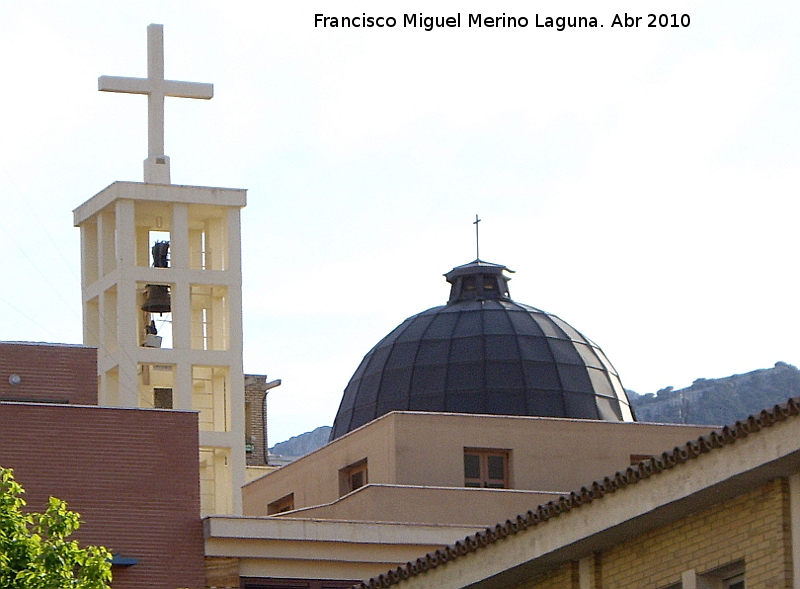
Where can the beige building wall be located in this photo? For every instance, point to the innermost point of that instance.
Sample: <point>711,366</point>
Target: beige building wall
<point>546,454</point>
<point>421,504</point>
<point>426,450</point>
<point>292,548</point>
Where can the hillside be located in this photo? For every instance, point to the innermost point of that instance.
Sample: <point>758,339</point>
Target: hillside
<point>713,401</point>
<point>719,401</point>
<point>301,445</point>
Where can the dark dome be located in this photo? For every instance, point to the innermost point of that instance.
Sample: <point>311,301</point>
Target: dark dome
<point>483,353</point>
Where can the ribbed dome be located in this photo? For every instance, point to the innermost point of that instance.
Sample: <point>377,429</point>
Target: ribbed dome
<point>483,353</point>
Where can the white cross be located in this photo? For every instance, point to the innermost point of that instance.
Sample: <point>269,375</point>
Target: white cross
<point>156,166</point>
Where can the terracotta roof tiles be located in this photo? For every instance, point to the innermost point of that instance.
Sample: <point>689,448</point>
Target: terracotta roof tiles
<point>596,490</point>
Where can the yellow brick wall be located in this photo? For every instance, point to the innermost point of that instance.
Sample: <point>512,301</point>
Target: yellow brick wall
<point>753,527</point>
<point>222,573</point>
<point>563,577</point>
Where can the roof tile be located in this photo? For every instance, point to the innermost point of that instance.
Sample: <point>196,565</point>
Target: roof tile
<point>597,490</point>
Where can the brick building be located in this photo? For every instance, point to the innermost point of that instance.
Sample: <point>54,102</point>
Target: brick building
<point>720,512</point>
<point>48,373</point>
<point>132,474</point>
<point>256,389</point>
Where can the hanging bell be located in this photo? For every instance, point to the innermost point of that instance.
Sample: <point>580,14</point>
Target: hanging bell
<point>160,254</point>
<point>156,299</point>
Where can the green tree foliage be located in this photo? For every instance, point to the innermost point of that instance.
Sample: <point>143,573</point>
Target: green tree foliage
<point>34,550</point>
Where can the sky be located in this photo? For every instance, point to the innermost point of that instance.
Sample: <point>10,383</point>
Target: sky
<point>641,181</point>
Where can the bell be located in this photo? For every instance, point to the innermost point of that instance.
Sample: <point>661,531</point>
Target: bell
<point>156,299</point>
<point>160,250</point>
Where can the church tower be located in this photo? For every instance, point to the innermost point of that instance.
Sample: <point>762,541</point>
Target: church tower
<point>161,293</point>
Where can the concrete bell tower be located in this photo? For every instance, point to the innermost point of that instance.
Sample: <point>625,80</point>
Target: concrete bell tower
<point>161,292</point>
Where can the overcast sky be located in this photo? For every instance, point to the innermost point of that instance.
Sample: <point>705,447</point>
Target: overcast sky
<point>642,182</point>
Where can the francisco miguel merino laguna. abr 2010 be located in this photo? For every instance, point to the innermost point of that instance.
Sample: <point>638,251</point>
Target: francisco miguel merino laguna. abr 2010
<point>425,22</point>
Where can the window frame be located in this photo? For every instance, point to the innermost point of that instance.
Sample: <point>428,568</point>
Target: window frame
<point>163,398</point>
<point>283,583</point>
<point>637,458</point>
<point>484,480</point>
<point>733,581</point>
<point>350,471</point>
<point>729,576</point>
<point>282,505</point>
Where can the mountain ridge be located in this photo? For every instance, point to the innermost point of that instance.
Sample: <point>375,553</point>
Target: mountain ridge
<point>719,401</point>
<point>707,401</point>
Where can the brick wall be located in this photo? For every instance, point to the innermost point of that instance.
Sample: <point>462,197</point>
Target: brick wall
<point>132,474</point>
<point>753,528</point>
<point>50,373</point>
<point>561,577</point>
<point>256,418</point>
<point>222,573</point>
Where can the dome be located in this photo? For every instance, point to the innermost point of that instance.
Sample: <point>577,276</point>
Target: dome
<point>483,353</point>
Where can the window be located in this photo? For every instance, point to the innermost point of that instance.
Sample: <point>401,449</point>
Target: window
<point>282,505</point>
<point>637,458</point>
<point>353,477</point>
<point>735,582</point>
<point>249,442</point>
<point>486,468</point>
<point>730,576</point>
<point>277,583</point>
<point>162,398</point>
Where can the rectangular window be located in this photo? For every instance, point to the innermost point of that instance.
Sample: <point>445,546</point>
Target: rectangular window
<point>729,576</point>
<point>637,458</point>
<point>353,477</point>
<point>278,583</point>
<point>486,468</point>
<point>249,442</point>
<point>357,479</point>
<point>735,582</point>
<point>282,505</point>
<point>162,398</point>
